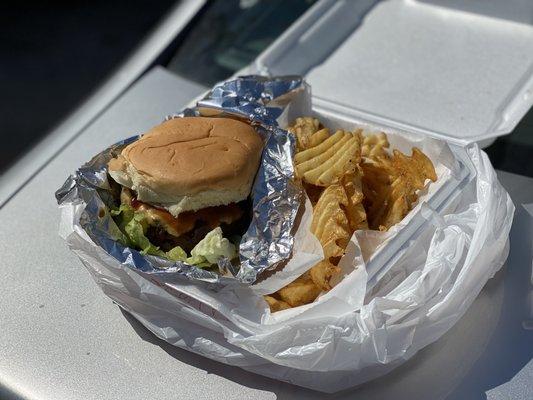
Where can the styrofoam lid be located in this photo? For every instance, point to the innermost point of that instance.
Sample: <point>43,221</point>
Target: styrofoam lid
<point>462,75</point>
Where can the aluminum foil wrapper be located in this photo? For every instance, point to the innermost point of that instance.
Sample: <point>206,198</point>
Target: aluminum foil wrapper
<point>348,335</point>
<point>276,197</point>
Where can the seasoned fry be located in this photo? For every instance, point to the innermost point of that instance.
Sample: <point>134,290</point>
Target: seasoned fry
<point>375,146</point>
<point>355,211</point>
<point>275,304</point>
<point>337,214</point>
<point>376,189</point>
<point>354,182</point>
<point>416,169</point>
<point>326,163</point>
<point>299,292</point>
<point>323,150</point>
<point>304,128</point>
<point>331,227</point>
<point>390,185</point>
<point>318,137</point>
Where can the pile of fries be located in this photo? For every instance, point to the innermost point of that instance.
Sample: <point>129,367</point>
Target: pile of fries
<point>354,182</point>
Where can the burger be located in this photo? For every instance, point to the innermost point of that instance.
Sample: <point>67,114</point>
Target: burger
<point>183,188</point>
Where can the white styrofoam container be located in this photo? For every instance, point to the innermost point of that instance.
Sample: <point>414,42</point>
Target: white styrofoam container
<point>458,72</point>
<point>463,74</point>
<point>440,195</point>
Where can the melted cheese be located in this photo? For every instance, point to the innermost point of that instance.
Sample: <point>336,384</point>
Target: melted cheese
<point>185,222</point>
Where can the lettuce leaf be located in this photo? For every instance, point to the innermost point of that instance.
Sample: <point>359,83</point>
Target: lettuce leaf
<point>211,248</point>
<point>134,225</point>
<point>177,254</point>
<point>122,216</point>
<point>136,231</point>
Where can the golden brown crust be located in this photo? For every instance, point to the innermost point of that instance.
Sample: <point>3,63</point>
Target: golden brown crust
<point>195,154</point>
<point>190,156</point>
<point>276,304</point>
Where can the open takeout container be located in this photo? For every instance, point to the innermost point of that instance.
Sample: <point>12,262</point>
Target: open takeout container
<point>434,68</point>
<point>462,73</point>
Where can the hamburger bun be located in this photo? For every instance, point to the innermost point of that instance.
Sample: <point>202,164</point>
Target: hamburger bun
<point>186,164</point>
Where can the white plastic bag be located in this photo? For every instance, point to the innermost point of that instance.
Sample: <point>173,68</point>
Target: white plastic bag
<point>338,342</point>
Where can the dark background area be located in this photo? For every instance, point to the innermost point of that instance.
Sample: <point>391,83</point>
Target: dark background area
<point>54,54</point>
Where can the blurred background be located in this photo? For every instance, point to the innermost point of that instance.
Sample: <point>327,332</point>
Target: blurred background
<point>53,55</point>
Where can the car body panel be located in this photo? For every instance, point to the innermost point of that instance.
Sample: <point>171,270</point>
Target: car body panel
<point>62,338</point>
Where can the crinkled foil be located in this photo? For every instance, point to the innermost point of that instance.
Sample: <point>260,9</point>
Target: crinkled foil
<point>276,198</point>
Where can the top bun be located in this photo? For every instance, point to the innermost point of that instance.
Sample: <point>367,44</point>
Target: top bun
<point>186,164</point>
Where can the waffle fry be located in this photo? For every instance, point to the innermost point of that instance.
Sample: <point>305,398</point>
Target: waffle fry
<point>355,211</point>
<point>318,137</point>
<point>375,146</point>
<point>304,128</point>
<point>338,213</point>
<point>391,184</point>
<point>325,163</point>
<point>354,183</point>
<point>331,227</point>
